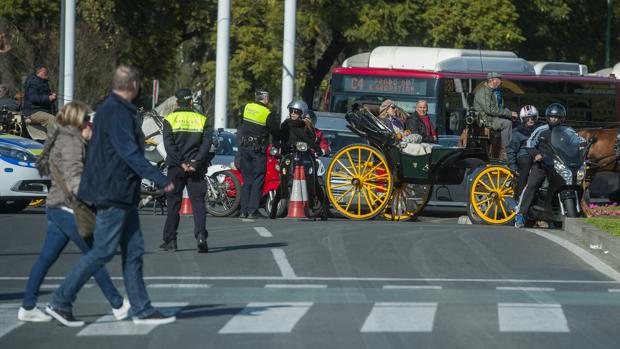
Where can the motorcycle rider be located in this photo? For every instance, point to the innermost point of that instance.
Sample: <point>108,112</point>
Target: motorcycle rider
<point>187,142</point>
<point>519,159</point>
<point>298,128</point>
<point>258,123</point>
<point>555,115</point>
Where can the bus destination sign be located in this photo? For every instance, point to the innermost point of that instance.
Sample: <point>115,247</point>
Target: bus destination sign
<point>384,84</point>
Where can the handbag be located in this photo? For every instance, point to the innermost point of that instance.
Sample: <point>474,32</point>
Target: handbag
<point>83,214</point>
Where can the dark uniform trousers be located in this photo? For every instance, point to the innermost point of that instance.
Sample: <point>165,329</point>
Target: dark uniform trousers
<point>536,177</point>
<point>253,165</point>
<point>196,188</point>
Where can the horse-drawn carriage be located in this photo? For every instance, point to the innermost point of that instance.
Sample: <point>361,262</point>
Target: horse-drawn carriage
<point>383,177</point>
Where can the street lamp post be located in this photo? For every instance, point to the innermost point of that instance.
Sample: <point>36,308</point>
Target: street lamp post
<point>610,4</point>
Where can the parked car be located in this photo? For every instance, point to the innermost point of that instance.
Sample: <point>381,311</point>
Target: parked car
<point>20,182</point>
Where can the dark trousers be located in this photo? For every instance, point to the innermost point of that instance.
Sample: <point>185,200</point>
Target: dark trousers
<point>536,177</point>
<point>524,163</point>
<point>196,188</point>
<point>253,165</point>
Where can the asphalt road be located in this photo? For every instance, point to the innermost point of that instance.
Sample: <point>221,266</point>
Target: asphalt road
<point>335,284</point>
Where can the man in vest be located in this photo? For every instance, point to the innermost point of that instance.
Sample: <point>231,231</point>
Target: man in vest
<point>187,142</point>
<point>258,123</point>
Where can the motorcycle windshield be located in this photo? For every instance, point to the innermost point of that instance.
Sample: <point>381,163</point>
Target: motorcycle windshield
<point>565,142</point>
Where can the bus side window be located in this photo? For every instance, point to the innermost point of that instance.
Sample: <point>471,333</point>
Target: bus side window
<point>455,112</point>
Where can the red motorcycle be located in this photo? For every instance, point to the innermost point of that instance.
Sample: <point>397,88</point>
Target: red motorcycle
<point>272,182</point>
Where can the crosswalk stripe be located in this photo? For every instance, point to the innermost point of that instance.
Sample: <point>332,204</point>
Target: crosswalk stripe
<point>526,317</point>
<point>401,317</point>
<point>295,286</point>
<point>526,289</point>
<point>178,286</point>
<point>411,287</point>
<point>261,317</point>
<point>8,318</point>
<point>107,325</point>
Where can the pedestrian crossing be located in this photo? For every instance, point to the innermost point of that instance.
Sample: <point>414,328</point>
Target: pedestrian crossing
<point>286,317</point>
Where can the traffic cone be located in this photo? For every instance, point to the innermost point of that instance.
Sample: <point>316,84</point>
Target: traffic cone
<point>299,194</point>
<point>186,205</point>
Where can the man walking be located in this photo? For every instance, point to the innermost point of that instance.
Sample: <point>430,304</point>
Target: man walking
<point>187,143</point>
<point>111,180</point>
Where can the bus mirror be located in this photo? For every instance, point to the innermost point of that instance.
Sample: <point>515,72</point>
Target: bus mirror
<point>455,121</point>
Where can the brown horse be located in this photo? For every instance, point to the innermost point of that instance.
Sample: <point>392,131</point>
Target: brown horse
<point>603,154</point>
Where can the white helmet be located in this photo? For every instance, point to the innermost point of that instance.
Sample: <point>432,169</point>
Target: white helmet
<point>528,111</point>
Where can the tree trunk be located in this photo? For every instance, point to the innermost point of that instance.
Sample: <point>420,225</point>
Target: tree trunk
<point>323,65</point>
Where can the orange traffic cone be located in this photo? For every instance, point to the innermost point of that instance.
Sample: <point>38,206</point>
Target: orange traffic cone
<point>299,194</point>
<point>186,205</point>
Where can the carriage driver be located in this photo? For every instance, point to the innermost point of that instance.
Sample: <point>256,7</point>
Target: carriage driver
<point>489,105</point>
<point>187,141</point>
<point>555,115</point>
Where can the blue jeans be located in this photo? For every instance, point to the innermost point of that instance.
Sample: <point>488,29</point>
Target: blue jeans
<point>114,226</point>
<point>60,229</point>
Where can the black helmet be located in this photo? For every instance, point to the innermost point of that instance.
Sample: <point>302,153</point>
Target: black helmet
<point>555,110</point>
<point>184,97</point>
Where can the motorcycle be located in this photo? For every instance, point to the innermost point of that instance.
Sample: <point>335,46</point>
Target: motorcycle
<point>561,192</point>
<point>314,170</point>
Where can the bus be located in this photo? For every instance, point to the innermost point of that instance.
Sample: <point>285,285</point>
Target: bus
<point>448,78</point>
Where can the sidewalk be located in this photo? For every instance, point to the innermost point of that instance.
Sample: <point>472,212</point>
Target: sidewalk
<point>596,241</point>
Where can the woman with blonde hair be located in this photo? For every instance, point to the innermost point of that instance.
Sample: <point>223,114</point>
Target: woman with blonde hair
<point>65,149</point>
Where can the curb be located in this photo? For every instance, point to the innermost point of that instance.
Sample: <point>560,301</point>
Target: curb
<point>596,241</point>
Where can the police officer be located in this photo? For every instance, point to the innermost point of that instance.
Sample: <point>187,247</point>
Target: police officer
<point>187,144</point>
<point>258,123</point>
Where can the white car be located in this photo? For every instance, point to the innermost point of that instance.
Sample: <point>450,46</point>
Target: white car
<point>20,182</point>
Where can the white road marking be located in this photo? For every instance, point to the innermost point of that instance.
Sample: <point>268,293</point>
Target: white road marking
<point>285,267</point>
<point>108,325</point>
<point>411,287</point>
<point>536,289</point>
<point>401,317</point>
<point>178,286</point>
<point>247,220</point>
<point>355,279</point>
<point>581,253</point>
<point>614,290</point>
<point>259,317</point>
<point>263,232</point>
<point>534,317</point>
<point>50,286</point>
<point>295,286</point>
<point>8,318</point>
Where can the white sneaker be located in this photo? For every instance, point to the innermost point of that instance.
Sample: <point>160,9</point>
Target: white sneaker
<point>32,315</point>
<point>121,313</point>
<point>156,318</point>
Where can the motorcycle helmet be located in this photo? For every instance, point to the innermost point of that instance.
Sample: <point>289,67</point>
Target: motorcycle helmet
<point>299,105</point>
<point>528,111</point>
<point>555,110</point>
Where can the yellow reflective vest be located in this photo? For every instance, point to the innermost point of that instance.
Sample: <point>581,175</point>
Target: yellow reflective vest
<point>256,114</point>
<point>186,121</point>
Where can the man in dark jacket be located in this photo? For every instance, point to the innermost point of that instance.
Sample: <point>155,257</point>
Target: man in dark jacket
<point>111,179</point>
<point>39,102</point>
<point>420,123</point>
<point>187,143</point>
<point>519,158</point>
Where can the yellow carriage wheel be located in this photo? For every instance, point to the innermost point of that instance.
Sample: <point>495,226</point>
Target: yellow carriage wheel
<point>359,181</point>
<point>492,195</point>
<point>408,200</point>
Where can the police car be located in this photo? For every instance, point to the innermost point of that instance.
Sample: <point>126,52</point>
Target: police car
<point>20,182</point>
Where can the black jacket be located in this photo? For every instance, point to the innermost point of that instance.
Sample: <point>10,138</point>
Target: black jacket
<point>517,147</point>
<point>417,126</point>
<point>294,131</point>
<point>37,96</point>
<point>184,146</point>
<point>248,129</point>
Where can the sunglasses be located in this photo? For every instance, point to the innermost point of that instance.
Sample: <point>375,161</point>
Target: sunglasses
<point>295,111</point>
<point>392,106</point>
